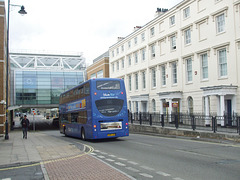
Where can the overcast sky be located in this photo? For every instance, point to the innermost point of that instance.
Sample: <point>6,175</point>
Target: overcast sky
<point>89,26</point>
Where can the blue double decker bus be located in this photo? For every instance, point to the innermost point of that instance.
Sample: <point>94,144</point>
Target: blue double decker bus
<point>95,109</point>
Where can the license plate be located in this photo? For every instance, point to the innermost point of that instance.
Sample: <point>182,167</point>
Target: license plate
<point>111,135</point>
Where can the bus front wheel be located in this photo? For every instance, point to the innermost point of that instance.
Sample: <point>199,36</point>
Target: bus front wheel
<point>83,134</point>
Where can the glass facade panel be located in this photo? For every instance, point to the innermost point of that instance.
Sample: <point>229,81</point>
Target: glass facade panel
<point>43,87</point>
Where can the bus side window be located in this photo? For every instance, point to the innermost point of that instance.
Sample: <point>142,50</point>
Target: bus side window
<point>87,89</point>
<point>74,117</point>
<point>82,117</point>
<point>69,117</point>
<point>81,92</point>
<point>64,117</point>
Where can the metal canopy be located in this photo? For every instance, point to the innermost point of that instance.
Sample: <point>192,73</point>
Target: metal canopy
<point>47,61</point>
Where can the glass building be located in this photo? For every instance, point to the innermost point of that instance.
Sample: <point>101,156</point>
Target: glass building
<point>37,80</point>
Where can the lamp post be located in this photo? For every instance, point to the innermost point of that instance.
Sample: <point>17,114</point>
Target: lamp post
<point>22,11</point>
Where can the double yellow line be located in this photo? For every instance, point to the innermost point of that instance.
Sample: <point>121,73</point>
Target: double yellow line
<point>91,149</point>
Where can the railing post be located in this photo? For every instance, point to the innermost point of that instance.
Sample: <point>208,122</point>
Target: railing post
<point>176,120</point>
<point>150,119</point>
<point>214,124</point>
<point>131,116</point>
<point>140,118</point>
<point>162,117</point>
<point>238,124</point>
<point>193,122</point>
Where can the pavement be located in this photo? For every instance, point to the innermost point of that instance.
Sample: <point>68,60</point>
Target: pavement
<point>42,156</point>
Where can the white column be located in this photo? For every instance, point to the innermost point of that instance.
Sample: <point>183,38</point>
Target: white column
<point>170,110</point>
<point>222,108</point>
<point>133,110</point>
<point>139,106</point>
<point>161,106</point>
<point>170,106</point>
<point>207,120</point>
<point>180,105</point>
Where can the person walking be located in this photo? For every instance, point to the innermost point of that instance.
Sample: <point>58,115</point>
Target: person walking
<point>25,124</point>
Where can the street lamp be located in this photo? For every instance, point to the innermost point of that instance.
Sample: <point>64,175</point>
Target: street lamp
<point>22,11</point>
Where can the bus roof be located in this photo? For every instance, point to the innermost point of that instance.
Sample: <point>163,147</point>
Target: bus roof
<point>94,79</point>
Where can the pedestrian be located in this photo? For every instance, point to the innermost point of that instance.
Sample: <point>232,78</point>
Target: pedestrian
<point>25,124</point>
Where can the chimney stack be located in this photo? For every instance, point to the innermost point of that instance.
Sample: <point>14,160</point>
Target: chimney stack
<point>120,38</point>
<point>137,27</point>
<point>160,11</point>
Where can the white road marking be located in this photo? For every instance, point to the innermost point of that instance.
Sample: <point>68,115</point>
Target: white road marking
<point>102,157</point>
<point>122,159</point>
<point>177,178</point>
<point>110,160</point>
<point>7,179</point>
<point>146,175</point>
<point>163,173</point>
<point>131,162</point>
<point>94,154</point>
<point>112,155</point>
<point>120,164</point>
<point>96,150</point>
<point>147,168</point>
<point>142,144</point>
<point>132,169</point>
<point>103,153</point>
<point>194,153</point>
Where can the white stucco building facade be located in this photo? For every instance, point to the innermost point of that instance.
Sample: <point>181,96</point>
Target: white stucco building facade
<point>186,59</point>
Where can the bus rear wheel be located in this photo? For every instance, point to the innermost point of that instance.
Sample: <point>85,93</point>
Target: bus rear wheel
<point>83,134</point>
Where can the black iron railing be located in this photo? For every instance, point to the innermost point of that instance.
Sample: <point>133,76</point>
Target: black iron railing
<point>188,121</point>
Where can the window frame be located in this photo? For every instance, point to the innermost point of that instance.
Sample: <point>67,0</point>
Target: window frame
<point>154,80</point>
<point>187,36</point>
<point>189,75</point>
<point>221,64</point>
<point>143,80</point>
<point>152,31</point>
<point>136,81</point>
<point>174,73</point>
<point>163,75</point>
<point>130,83</point>
<point>173,43</point>
<point>186,12</point>
<point>220,23</point>
<point>204,66</point>
<point>172,20</point>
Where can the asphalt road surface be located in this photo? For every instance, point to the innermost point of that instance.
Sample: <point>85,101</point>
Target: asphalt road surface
<point>151,157</point>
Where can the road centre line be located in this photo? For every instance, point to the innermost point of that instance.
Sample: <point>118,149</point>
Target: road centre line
<point>194,153</point>
<point>199,141</point>
<point>143,144</point>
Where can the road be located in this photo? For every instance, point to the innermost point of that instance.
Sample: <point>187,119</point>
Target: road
<point>151,157</point>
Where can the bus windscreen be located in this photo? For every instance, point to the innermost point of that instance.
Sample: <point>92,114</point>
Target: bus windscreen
<point>109,107</point>
<point>107,85</point>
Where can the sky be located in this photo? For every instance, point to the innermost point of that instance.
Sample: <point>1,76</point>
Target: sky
<point>89,26</point>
